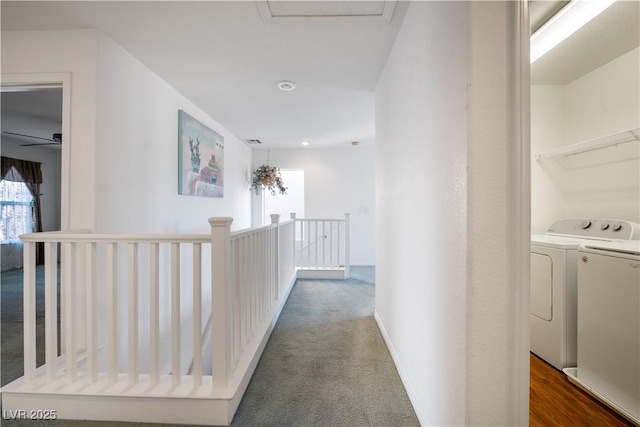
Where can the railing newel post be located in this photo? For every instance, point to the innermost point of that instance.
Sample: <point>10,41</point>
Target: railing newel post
<point>221,296</point>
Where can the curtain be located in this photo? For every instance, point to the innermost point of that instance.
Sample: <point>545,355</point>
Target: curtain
<point>30,173</point>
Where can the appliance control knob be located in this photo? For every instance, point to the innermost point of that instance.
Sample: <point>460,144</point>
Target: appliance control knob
<point>617,226</point>
<point>604,226</point>
<point>585,224</point>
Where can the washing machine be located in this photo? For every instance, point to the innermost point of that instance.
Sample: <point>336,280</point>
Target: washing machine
<point>553,319</point>
<point>608,364</point>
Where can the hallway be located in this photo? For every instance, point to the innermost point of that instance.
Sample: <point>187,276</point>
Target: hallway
<point>325,363</point>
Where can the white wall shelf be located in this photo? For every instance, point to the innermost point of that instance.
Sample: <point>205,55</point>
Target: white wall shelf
<point>632,135</point>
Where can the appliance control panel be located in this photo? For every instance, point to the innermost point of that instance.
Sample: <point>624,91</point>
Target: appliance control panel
<point>596,228</point>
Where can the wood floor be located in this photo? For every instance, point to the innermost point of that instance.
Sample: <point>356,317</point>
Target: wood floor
<point>557,402</point>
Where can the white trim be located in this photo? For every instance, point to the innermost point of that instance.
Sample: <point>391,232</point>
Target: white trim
<point>34,81</point>
<point>385,17</point>
<point>519,188</point>
<point>321,273</point>
<point>413,396</point>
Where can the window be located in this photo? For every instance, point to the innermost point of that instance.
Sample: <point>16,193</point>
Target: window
<point>16,204</point>
<point>284,204</point>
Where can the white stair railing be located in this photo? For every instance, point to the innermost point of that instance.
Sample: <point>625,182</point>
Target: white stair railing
<point>322,245</point>
<point>114,291</point>
<point>134,307</point>
<point>162,318</point>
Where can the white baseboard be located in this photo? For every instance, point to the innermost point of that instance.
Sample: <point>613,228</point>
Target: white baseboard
<point>413,396</point>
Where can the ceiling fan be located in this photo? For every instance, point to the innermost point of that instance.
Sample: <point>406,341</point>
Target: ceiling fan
<point>56,139</point>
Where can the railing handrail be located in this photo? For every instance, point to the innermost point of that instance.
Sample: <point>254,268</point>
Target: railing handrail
<point>321,219</point>
<point>84,236</point>
<point>76,237</point>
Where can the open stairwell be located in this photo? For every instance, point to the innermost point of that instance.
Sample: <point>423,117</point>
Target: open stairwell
<point>162,328</point>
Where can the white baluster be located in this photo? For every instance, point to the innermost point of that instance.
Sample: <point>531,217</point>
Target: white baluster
<point>308,223</point>
<point>112,312</point>
<point>237,309</point>
<point>331,226</point>
<point>275,250</point>
<point>247,291</point>
<point>133,313</point>
<point>347,254</point>
<point>50,309</point>
<point>197,314</point>
<point>92,330</point>
<point>338,247</point>
<point>175,314</point>
<point>69,285</point>
<point>315,266</point>
<point>29,313</point>
<point>154,314</point>
<point>324,242</point>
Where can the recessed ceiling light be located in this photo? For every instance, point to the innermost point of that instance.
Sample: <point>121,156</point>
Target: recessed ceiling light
<point>286,85</point>
<point>305,143</point>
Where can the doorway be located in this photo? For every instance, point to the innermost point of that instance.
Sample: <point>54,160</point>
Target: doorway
<point>31,132</point>
<point>285,204</point>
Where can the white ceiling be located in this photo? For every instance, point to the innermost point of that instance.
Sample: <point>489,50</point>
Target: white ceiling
<point>32,112</point>
<point>226,59</point>
<point>612,33</point>
<point>226,56</point>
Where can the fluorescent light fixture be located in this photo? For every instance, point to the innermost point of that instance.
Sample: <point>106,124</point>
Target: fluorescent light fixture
<point>305,143</point>
<point>564,23</point>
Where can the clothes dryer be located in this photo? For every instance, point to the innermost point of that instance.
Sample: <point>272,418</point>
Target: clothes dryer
<point>608,364</point>
<point>553,319</point>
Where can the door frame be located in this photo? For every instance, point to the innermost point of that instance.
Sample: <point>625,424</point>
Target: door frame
<point>35,81</point>
<point>519,188</point>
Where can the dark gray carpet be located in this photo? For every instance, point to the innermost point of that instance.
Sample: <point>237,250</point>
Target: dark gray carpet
<point>324,365</point>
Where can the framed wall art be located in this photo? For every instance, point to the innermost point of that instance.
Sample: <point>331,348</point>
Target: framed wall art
<point>200,158</point>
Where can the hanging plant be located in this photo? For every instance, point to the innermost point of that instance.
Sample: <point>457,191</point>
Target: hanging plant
<point>268,177</point>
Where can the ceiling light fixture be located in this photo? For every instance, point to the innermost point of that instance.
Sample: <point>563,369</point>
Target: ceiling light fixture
<point>286,85</point>
<point>305,143</point>
<point>564,23</point>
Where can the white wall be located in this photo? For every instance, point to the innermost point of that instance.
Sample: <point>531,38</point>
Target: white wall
<point>548,181</point>
<point>600,184</point>
<point>137,155</point>
<point>337,181</point>
<point>605,183</point>
<point>124,150</point>
<point>605,101</point>
<point>74,52</point>
<point>421,207</point>
<point>137,175</point>
<point>123,120</point>
<point>444,292</point>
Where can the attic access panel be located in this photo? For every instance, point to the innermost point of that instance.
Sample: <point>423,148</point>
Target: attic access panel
<point>326,11</point>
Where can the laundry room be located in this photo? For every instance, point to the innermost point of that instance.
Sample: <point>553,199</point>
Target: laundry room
<point>585,115</point>
<point>585,210</point>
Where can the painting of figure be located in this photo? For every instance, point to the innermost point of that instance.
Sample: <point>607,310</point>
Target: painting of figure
<point>201,155</point>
